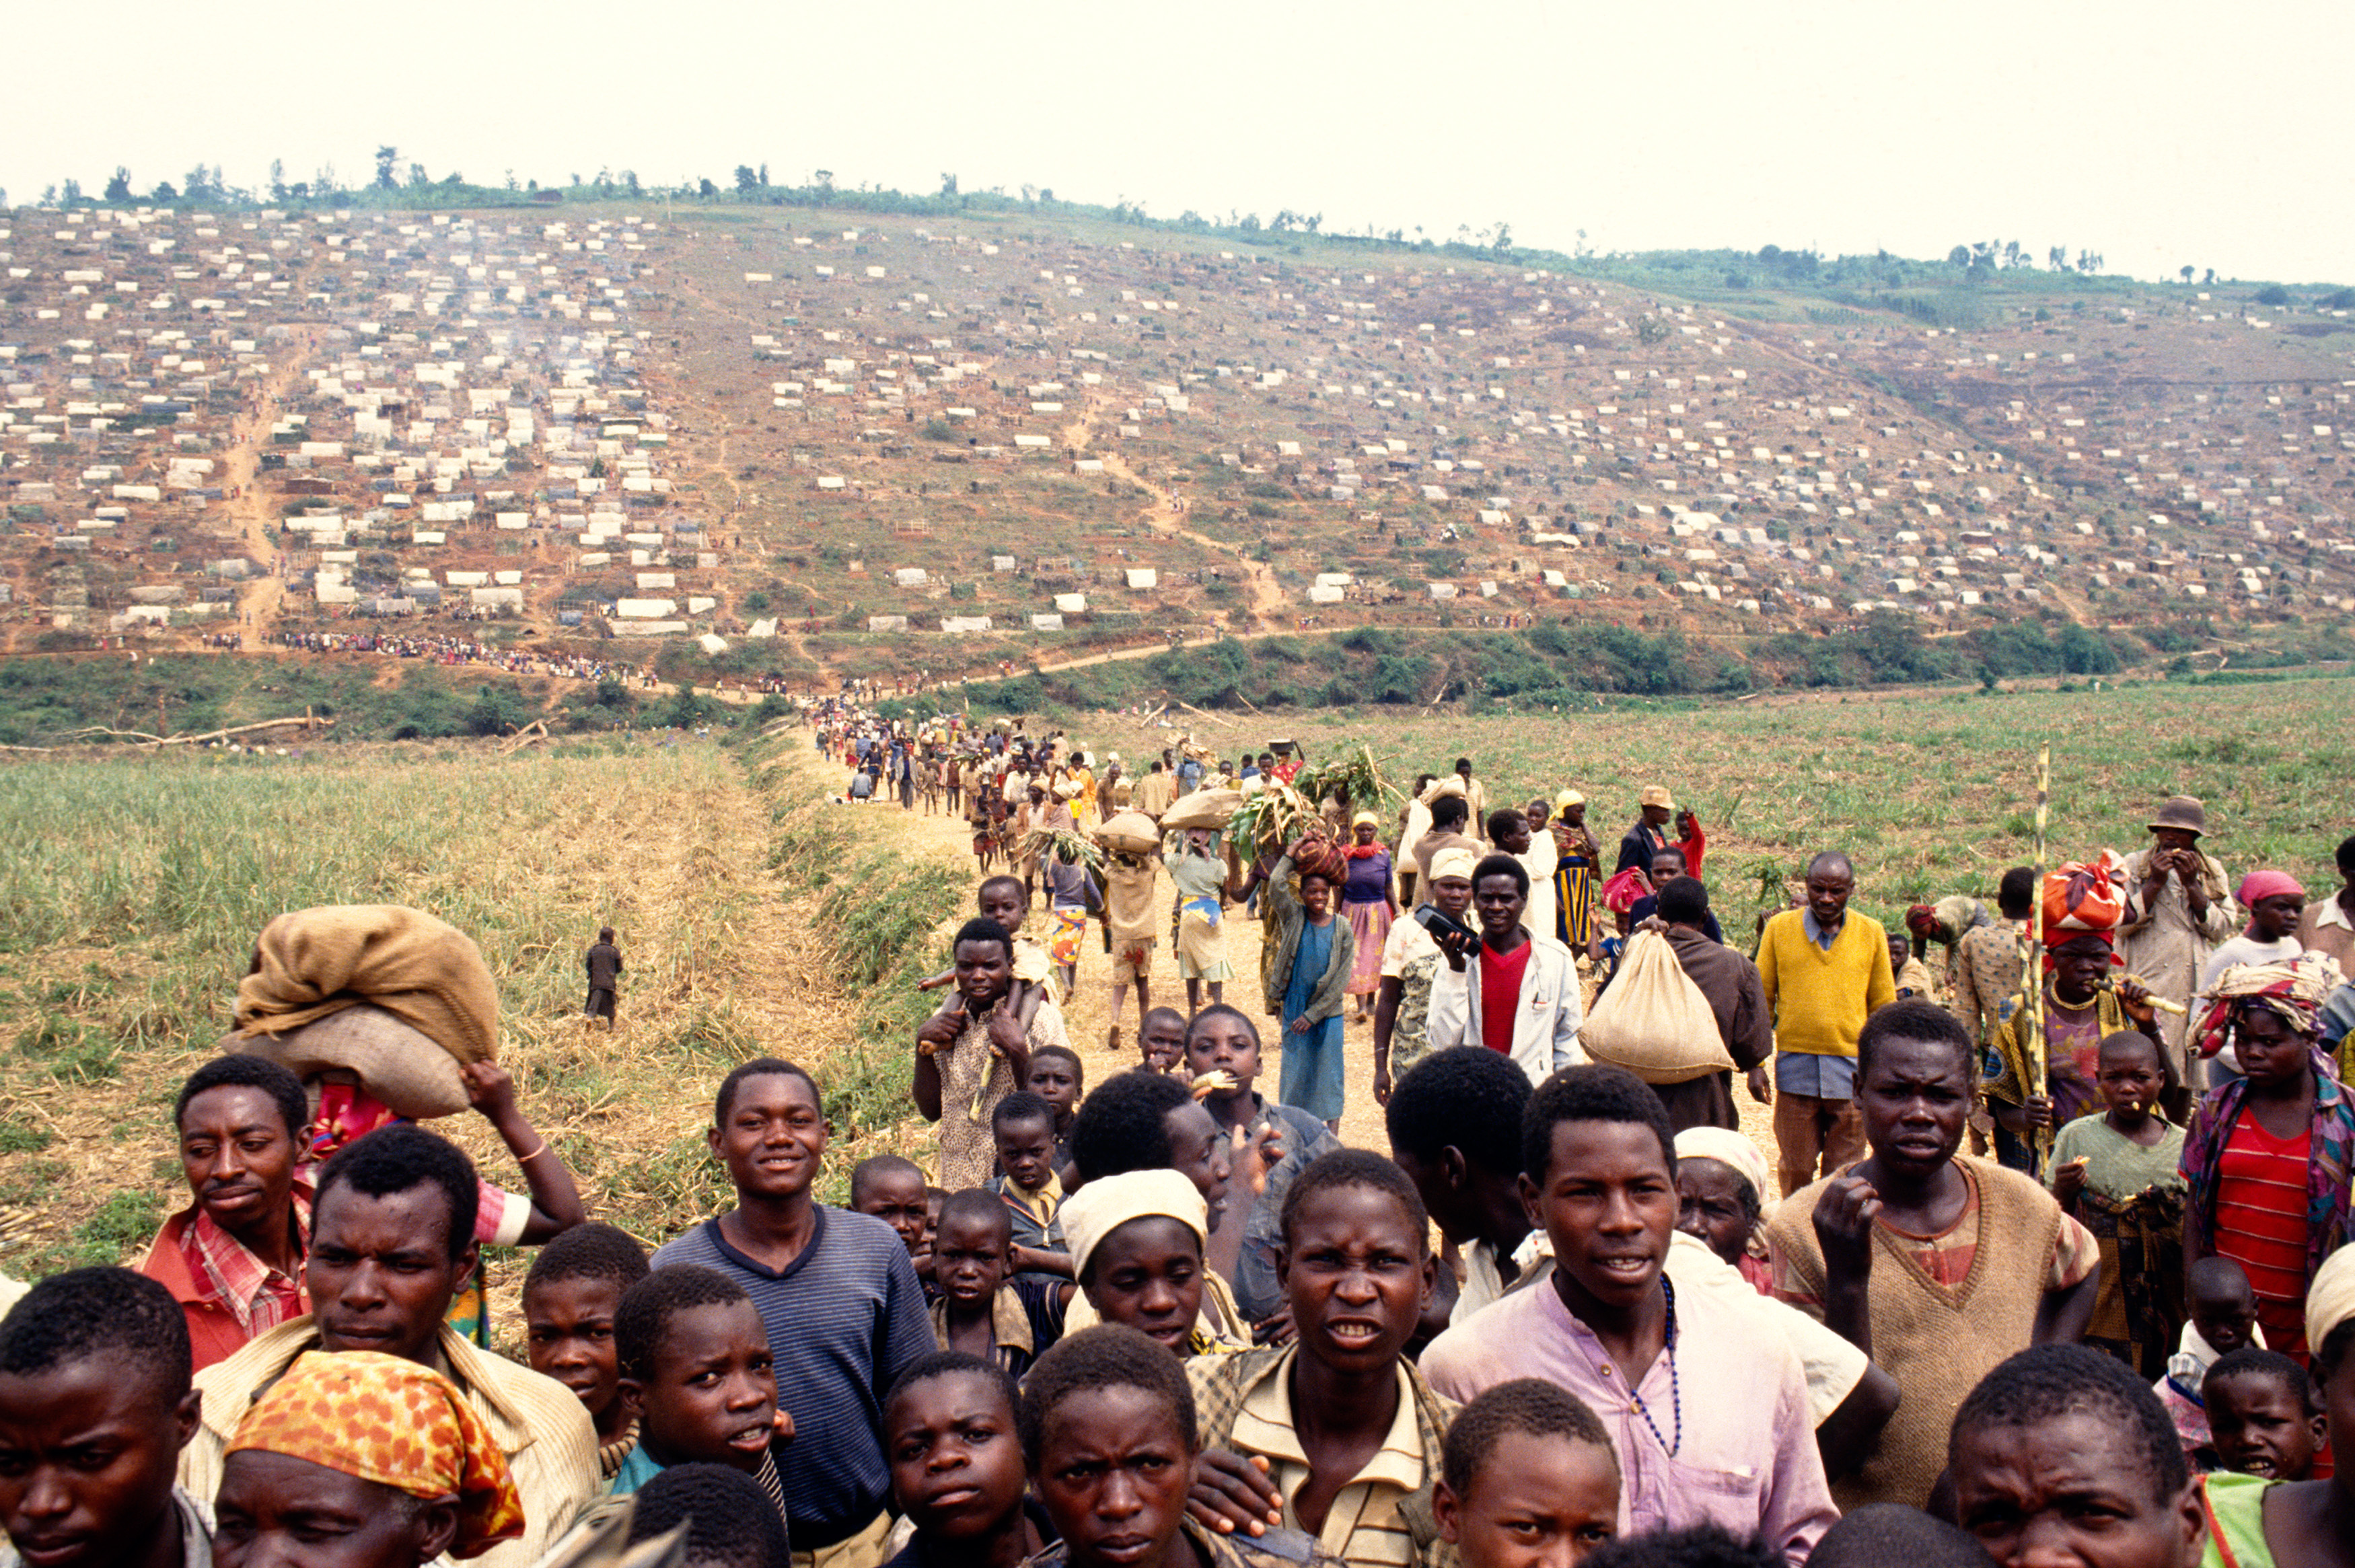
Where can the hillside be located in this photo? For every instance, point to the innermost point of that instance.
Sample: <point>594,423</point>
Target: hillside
<point>788,444</point>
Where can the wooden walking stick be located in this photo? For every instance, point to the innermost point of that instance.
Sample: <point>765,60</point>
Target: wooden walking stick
<point>2032,981</point>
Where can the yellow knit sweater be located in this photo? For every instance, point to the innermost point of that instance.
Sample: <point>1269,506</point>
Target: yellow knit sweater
<point>1820,1000</point>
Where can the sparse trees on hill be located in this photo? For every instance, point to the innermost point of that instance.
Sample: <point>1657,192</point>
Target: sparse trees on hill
<point>118,187</point>
<point>2188,269</point>
<point>387,157</point>
<point>746,181</point>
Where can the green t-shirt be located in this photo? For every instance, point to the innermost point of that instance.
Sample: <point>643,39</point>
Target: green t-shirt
<point>2116,1166</point>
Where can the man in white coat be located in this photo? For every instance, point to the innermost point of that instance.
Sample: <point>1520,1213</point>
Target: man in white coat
<point>1513,992</point>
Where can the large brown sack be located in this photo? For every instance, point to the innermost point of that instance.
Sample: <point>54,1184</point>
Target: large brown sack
<point>1129,832</point>
<point>1203,809</point>
<point>1653,1021</point>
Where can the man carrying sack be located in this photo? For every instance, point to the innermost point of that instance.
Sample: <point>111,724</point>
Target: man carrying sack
<point>1684,1014</point>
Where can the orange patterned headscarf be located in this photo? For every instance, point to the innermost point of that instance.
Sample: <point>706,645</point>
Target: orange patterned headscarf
<point>394,1422</point>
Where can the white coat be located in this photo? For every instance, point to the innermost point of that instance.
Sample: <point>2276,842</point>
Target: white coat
<point>1545,1024</point>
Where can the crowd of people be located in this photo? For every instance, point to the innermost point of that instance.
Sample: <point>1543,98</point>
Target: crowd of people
<point>463,651</point>
<point>2049,1261</point>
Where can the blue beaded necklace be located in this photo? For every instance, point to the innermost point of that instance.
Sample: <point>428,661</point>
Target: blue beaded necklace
<point>1675,1393</point>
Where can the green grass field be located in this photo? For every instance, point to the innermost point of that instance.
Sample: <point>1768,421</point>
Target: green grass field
<point>755,920</point>
<point>752,921</point>
<point>1929,794</point>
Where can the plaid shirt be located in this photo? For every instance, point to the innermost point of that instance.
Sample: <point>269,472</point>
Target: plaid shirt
<point>1223,1386</point>
<point>258,1296</point>
<point>2329,1159</point>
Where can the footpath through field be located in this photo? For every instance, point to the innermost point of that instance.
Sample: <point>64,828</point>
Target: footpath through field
<point>1089,1014</point>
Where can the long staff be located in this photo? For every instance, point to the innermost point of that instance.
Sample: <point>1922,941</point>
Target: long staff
<point>2033,980</point>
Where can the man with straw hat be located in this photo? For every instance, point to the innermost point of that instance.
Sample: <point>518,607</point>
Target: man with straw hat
<point>2177,911</point>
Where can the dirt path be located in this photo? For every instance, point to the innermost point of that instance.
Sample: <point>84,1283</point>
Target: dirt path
<point>1088,1015</point>
<point>258,606</point>
<point>1167,514</point>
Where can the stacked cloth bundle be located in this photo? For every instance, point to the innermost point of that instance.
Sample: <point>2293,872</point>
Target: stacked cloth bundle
<point>2295,988</point>
<point>2082,899</point>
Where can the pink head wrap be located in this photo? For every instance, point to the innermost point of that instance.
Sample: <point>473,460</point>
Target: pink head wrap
<point>2260,884</point>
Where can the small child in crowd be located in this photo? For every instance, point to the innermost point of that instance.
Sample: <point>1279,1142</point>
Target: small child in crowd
<point>2223,1319</point>
<point>571,1298</point>
<point>696,1372</point>
<point>951,1437</point>
<point>981,1311</point>
<point>1161,1040</point>
<point>2261,1415</point>
<point>1057,1077</point>
<point>2115,1174</point>
<point>1528,1478</point>
<point>729,1522</point>
<point>893,1191</point>
<point>1024,1128</point>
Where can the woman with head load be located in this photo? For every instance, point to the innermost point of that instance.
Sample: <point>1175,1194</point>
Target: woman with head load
<point>2081,1010</point>
<point>1369,906</point>
<point>2267,1158</point>
<point>1314,955</point>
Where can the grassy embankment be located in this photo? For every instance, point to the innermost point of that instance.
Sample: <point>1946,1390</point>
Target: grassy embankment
<point>131,890</point>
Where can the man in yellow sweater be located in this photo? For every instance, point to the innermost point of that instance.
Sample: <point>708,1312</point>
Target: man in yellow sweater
<point>1825,970</point>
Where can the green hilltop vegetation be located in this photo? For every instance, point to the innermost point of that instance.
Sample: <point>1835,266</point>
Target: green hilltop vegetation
<point>1766,283</point>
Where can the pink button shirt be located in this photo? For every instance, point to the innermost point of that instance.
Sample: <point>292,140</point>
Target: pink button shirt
<point>1747,1457</point>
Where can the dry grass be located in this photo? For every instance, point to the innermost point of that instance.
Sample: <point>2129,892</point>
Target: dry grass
<point>138,887</point>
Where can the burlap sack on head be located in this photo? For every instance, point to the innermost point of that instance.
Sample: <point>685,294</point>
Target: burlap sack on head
<point>1203,809</point>
<point>1653,1021</point>
<point>419,973</point>
<point>406,1069</point>
<point>1129,832</point>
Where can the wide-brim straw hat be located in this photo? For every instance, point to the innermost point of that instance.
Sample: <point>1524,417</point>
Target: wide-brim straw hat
<point>406,1068</point>
<point>2184,812</point>
<point>1657,795</point>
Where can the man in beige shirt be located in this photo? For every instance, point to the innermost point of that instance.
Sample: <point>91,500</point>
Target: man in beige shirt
<point>1156,792</point>
<point>382,1272</point>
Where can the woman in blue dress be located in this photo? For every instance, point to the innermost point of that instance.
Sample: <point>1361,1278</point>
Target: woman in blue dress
<point>1308,986</point>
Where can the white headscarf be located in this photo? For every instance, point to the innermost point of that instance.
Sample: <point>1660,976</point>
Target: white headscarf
<point>1105,1205</point>
<point>1732,1150</point>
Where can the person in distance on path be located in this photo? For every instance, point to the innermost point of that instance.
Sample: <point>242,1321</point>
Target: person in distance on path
<point>604,966</point>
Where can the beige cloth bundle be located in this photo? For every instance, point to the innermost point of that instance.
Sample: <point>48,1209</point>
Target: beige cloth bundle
<point>391,995</point>
<point>1653,1020</point>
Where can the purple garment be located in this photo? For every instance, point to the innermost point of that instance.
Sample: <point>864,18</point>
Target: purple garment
<point>1369,881</point>
<point>1745,1455</point>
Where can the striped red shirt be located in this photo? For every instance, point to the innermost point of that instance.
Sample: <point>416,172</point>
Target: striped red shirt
<point>2261,1223</point>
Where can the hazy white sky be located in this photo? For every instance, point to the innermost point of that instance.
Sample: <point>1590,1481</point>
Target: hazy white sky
<point>2158,133</point>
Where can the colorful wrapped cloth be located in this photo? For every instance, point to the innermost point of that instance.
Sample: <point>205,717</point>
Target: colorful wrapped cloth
<point>2267,885</point>
<point>394,1422</point>
<point>2295,988</point>
<point>1624,891</point>
<point>1071,925</point>
<point>1369,928</point>
<point>2138,1314</point>
<point>2330,1160</point>
<point>2083,899</point>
